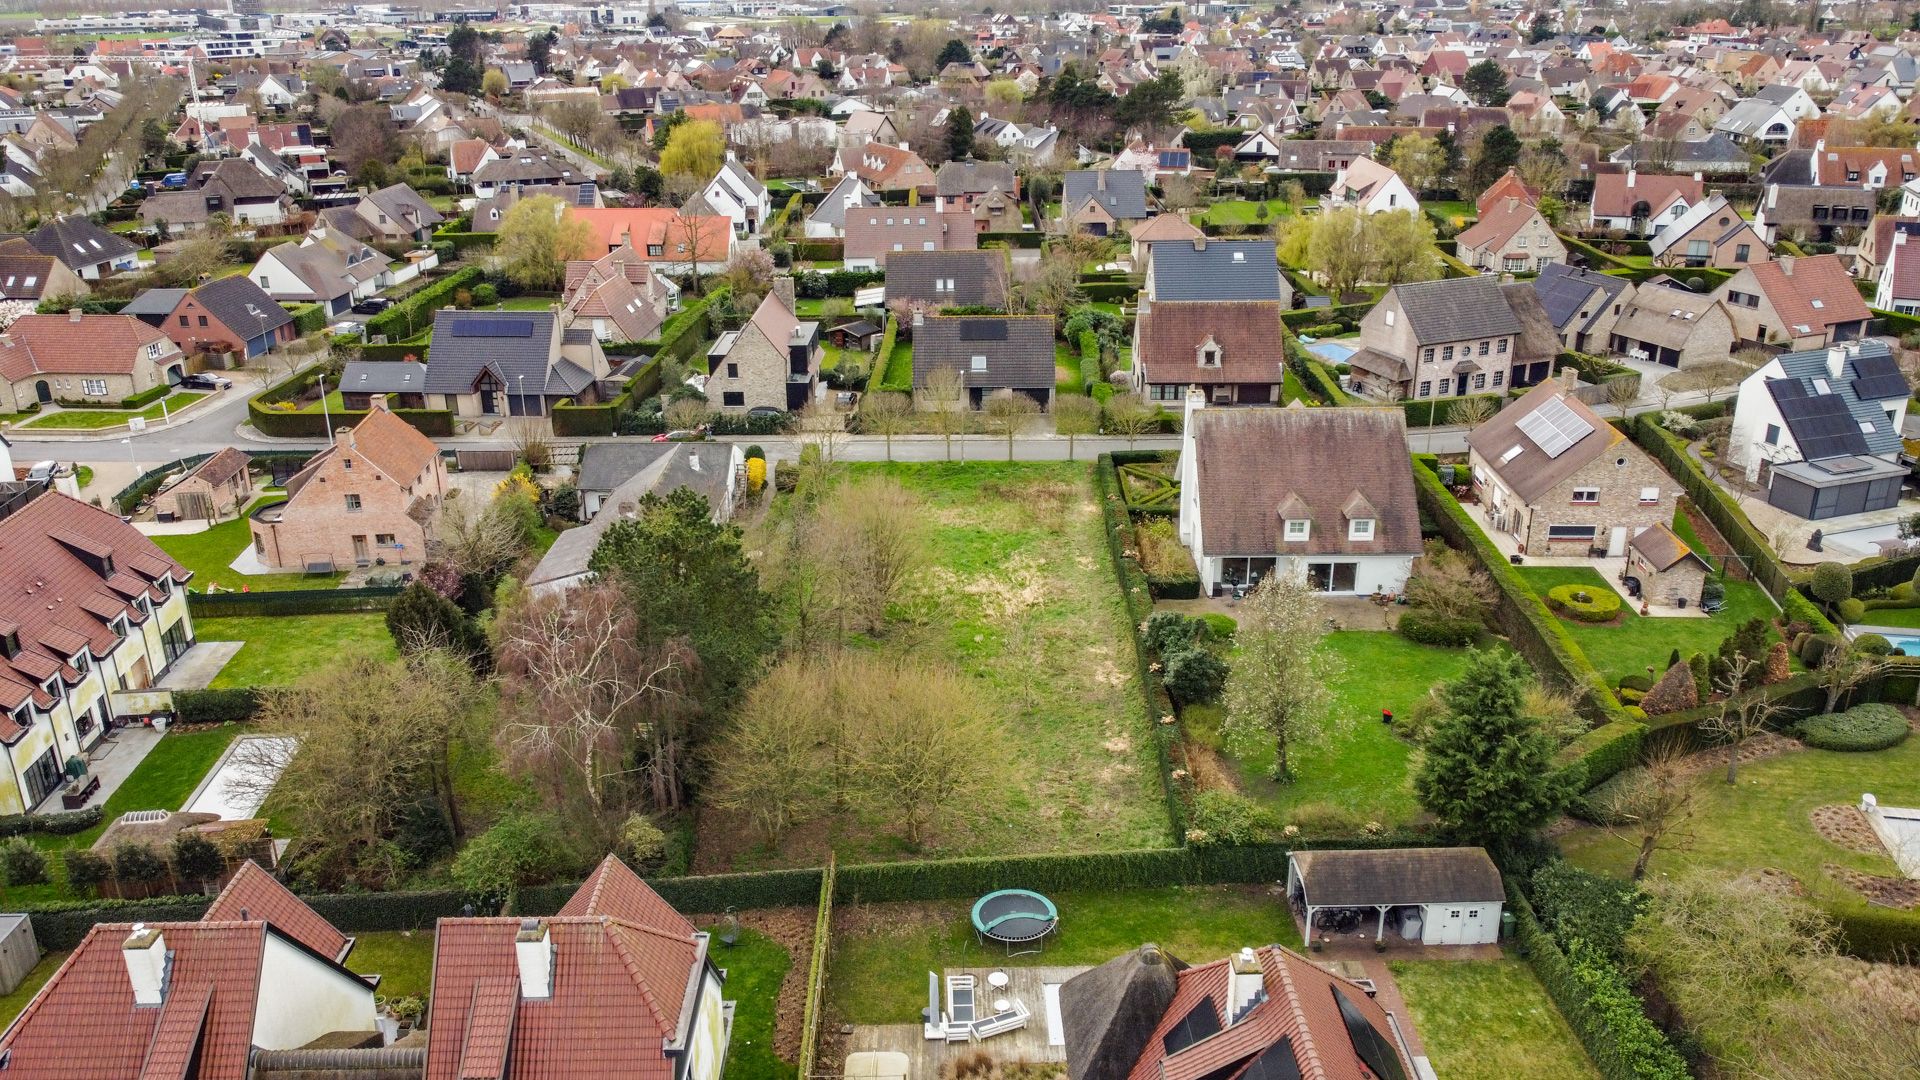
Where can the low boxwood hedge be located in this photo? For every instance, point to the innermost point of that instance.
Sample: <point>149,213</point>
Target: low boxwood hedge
<point>216,706</point>
<point>1872,726</point>
<point>1428,628</point>
<point>1584,603</point>
<point>63,823</point>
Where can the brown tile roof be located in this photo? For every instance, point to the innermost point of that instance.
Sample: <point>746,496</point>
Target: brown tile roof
<point>1613,198</point>
<point>1251,461</point>
<point>622,963</point>
<point>1532,473</point>
<point>1509,184</point>
<point>1810,294</point>
<point>86,345</point>
<point>1498,225</point>
<point>223,466</point>
<point>254,896</point>
<point>1165,227</point>
<point>1662,547</point>
<point>1247,333</point>
<point>54,585</point>
<point>394,446</point>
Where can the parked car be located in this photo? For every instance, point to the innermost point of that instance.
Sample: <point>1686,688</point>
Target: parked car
<point>345,328</point>
<point>204,381</point>
<point>372,305</point>
<point>174,181</point>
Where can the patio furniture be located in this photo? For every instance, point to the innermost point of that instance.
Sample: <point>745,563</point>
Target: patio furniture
<point>961,1021</point>
<point>76,794</point>
<point>1015,917</point>
<point>999,980</point>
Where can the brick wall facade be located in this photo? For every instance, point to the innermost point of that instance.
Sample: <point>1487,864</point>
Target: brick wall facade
<point>1618,504</point>
<point>320,523</point>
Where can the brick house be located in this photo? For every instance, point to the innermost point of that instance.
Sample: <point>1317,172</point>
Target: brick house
<point>1445,338</point>
<point>991,353</point>
<point>75,357</point>
<point>1668,571</point>
<point>771,363</point>
<point>1710,234</point>
<point>371,495</point>
<point>874,233</point>
<point>26,274</point>
<point>88,607</point>
<point>229,314</point>
<point>1562,481</point>
<point>1234,352</point>
<point>214,490</point>
<point>1807,303</point>
<point>1664,324</point>
<point>1512,236</point>
<point>1102,201</point>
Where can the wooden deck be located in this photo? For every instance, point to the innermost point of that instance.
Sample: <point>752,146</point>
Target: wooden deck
<point>925,1057</point>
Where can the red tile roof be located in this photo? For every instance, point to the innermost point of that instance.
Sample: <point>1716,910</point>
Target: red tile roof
<point>1613,198</point>
<point>65,570</point>
<point>622,962</point>
<point>1810,294</point>
<point>87,345</point>
<point>254,896</point>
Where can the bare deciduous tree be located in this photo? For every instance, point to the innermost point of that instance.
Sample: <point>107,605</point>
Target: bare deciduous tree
<point>946,394</point>
<point>1278,689</point>
<point>1012,414</point>
<point>1740,715</point>
<point>1075,415</point>
<point>1132,415</point>
<point>886,413</point>
<point>480,540</point>
<point>869,537</point>
<point>1845,667</point>
<point>1652,807</point>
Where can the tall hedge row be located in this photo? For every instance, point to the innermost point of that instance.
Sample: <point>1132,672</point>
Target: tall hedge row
<point>1671,452</point>
<point>416,311</point>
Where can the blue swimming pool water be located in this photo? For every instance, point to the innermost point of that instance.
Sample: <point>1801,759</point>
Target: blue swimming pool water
<point>1907,645</point>
<point>1332,350</point>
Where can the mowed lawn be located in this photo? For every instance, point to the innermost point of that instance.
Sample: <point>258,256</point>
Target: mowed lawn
<point>210,554</point>
<point>1632,645</point>
<point>756,965</point>
<point>1488,1020</point>
<point>1245,212</point>
<point>280,649</point>
<point>882,952</point>
<point>94,419</point>
<point>402,958</point>
<point>1764,820</point>
<point>1364,772</point>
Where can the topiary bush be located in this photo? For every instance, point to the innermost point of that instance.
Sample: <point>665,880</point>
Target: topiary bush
<point>1675,692</point>
<point>1584,603</point>
<point>1223,627</point>
<point>1194,674</point>
<point>1831,583</point>
<point>1638,682</point>
<point>1816,648</point>
<point>22,863</point>
<point>1860,729</point>
<point>1432,628</point>
<point>1873,645</point>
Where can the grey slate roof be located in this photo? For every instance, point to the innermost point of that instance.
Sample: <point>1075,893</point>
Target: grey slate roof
<point>1203,269</point>
<point>973,177</point>
<point>1835,430</point>
<point>154,302</point>
<point>1018,348</point>
<point>1456,308</point>
<point>243,306</point>
<point>833,209</point>
<point>1563,289</point>
<point>383,377</point>
<point>512,343</point>
<point>626,472</point>
<point>79,242</point>
<point>979,277</point>
<point>1124,194</point>
<point>1399,876</point>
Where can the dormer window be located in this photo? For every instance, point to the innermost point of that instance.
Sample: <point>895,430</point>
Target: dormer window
<point>1360,529</point>
<point>1298,529</point>
<point>1209,353</point>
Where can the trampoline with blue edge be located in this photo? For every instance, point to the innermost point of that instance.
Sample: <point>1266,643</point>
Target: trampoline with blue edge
<point>1015,917</point>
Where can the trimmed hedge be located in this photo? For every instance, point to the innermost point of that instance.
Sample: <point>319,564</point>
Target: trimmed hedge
<point>1022,239</point>
<point>1747,541</point>
<point>1428,628</point>
<point>682,336</point>
<point>216,706</point>
<point>404,319</point>
<point>308,318</point>
<point>1861,729</point>
<point>1432,412</point>
<point>1796,607</point>
<point>62,823</point>
<point>895,377</point>
<point>291,602</point>
<point>820,284</point>
<point>1602,753</point>
<point>1584,603</point>
<point>1314,375</point>
<point>434,423</point>
<point>1309,316</point>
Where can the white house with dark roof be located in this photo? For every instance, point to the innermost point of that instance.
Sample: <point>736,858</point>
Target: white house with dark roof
<point>736,195</point>
<point>1821,430</point>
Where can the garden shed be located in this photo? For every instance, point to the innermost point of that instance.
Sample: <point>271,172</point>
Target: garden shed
<point>1436,896</point>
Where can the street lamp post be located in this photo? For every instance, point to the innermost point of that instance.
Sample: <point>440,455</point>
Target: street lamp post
<point>326,417</point>
<point>522,394</point>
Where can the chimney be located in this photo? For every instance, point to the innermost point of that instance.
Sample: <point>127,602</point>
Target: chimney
<point>1200,243</point>
<point>1786,264</point>
<point>148,964</point>
<point>1246,985</point>
<point>73,314</point>
<point>343,438</point>
<point>783,288</point>
<point>1569,376</point>
<point>1631,175</point>
<point>1100,180</point>
<point>380,402</point>
<point>1836,361</point>
<point>1513,203</point>
<point>533,952</point>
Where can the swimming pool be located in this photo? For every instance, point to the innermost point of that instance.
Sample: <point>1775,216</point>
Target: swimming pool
<point>1332,351</point>
<point>1905,641</point>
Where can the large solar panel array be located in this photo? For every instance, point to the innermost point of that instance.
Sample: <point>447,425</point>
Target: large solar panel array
<point>1822,424</point>
<point>493,328</point>
<point>1878,378</point>
<point>1372,1047</point>
<point>1554,427</point>
<point>1276,1062</point>
<point>1202,1021</point>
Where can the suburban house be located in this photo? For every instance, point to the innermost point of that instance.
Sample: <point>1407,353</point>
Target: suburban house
<point>520,169</point>
<point>883,167</point>
<point>614,476</point>
<point>1898,282</point>
<point>1510,236</point>
<point>1710,234</point>
<point>1641,203</point>
<point>990,352</point>
<point>511,363</point>
<point>1321,494</point>
<point>1821,430</point>
<point>1669,325</point>
<point>465,156</point>
<point>734,194</point>
<point>230,187</point>
<point>1806,303</point>
<point>28,274</point>
<point>1560,480</point>
<point>619,296</point>
<point>663,236</point>
<point>1102,201</point>
<point>260,971</point>
<point>87,250</point>
<point>369,496</point>
<point>1371,188</point>
<point>402,383</point>
<point>1451,337</point>
<point>829,218</point>
<point>1204,269</point>
<point>963,185</point>
<point>1436,896</point>
<point>84,358</point>
<point>1232,351</point>
<point>772,364</point>
<point>217,489</point>
<point>325,267</point>
<point>226,315</point>
<point>89,607</point>
<point>1263,1014</point>
<point>617,978</point>
<point>1818,212</point>
<point>1664,568</point>
<point>395,214</point>
<point>942,279</point>
<point>874,233</point>
<point>1160,228</point>
<point>1581,304</point>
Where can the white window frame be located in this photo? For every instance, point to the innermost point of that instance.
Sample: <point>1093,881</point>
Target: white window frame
<point>1360,529</point>
<point>1586,496</point>
<point>1298,530</point>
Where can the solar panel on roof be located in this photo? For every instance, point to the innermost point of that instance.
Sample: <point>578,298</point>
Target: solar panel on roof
<point>983,330</point>
<point>493,328</point>
<point>1276,1062</point>
<point>1554,427</point>
<point>1369,1044</point>
<point>1203,1020</point>
<point>1822,424</point>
